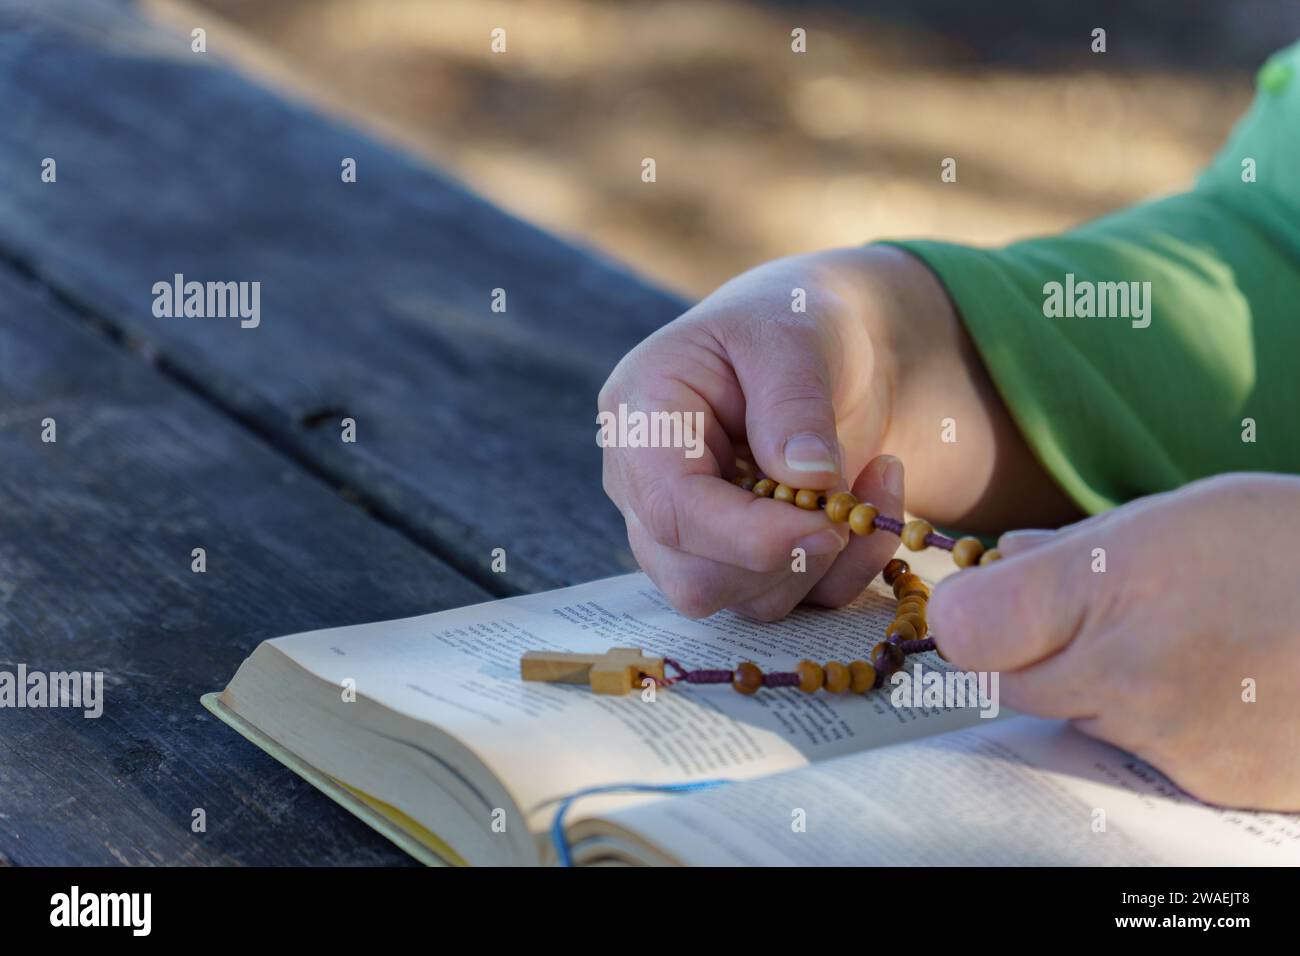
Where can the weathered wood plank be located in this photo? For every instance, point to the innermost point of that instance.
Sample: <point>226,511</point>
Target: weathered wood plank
<point>96,534</point>
<point>475,428</point>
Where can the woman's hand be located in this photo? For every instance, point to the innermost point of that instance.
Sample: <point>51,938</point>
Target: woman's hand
<point>875,361</point>
<point>1185,650</point>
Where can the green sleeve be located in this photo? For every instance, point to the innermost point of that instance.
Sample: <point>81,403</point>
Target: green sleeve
<point>1125,405</point>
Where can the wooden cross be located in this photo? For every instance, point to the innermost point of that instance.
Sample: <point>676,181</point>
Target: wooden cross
<point>616,671</point>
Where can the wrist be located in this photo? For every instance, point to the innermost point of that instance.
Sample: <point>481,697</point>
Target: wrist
<point>968,464</point>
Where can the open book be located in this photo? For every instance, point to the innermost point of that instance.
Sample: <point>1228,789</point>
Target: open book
<point>424,729</point>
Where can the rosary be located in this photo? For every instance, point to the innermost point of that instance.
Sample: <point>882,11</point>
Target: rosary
<point>622,668</point>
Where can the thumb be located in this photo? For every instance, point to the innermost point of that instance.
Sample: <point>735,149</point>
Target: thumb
<point>1023,539</point>
<point>880,484</point>
<point>1015,612</point>
<point>789,418</point>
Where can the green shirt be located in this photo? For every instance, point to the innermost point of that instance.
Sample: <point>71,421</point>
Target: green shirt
<point>1114,408</point>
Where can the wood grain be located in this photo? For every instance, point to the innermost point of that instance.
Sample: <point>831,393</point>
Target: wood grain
<point>476,429</point>
<point>96,535</point>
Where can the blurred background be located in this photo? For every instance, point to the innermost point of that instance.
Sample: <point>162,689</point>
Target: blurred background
<point>762,152</point>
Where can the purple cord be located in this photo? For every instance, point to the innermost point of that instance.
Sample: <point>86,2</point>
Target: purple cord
<point>781,679</point>
<point>886,523</point>
<point>775,679</point>
<point>917,646</point>
<point>708,677</point>
<point>719,676</point>
<point>933,540</point>
<point>936,540</point>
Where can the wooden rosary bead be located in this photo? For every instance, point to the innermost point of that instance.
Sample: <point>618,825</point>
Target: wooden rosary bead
<point>839,505</point>
<point>966,552</point>
<point>862,518</point>
<point>887,657</point>
<point>837,677</point>
<point>910,610</point>
<point>902,630</point>
<point>863,677</point>
<point>906,585</point>
<point>811,676</point>
<point>917,588</point>
<point>911,592</point>
<point>747,678</point>
<point>807,499</point>
<point>914,533</point>
<point>917,621</point>
<point>893,569</point>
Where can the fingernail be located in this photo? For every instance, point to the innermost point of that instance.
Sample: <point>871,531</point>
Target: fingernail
<point>892,478</point>
<point>807,452</point>
<point>823,542</point>
<point>940,622</point>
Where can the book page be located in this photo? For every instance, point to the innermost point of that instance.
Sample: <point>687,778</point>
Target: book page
<point>1016,792</point>
<point>459,670</point>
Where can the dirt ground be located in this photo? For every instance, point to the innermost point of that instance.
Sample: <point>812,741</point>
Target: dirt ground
<point>760,151</point>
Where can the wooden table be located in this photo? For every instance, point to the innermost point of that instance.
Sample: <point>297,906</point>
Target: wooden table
<point>475,429</point>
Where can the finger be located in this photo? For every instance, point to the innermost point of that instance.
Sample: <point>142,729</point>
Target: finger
<point>779,600</point>
<point>1019,541</point>
<point>649,439</point>
<point>627,470</point>
<point>789,417</point>
<point>711,518</point>
<point>1063,686</point>
<point>881,484</point>
<point>683,505</point>
<point>1015,612</point>
<point>669,486</point>
<point>695,586</point>
<point>1023,539</point>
